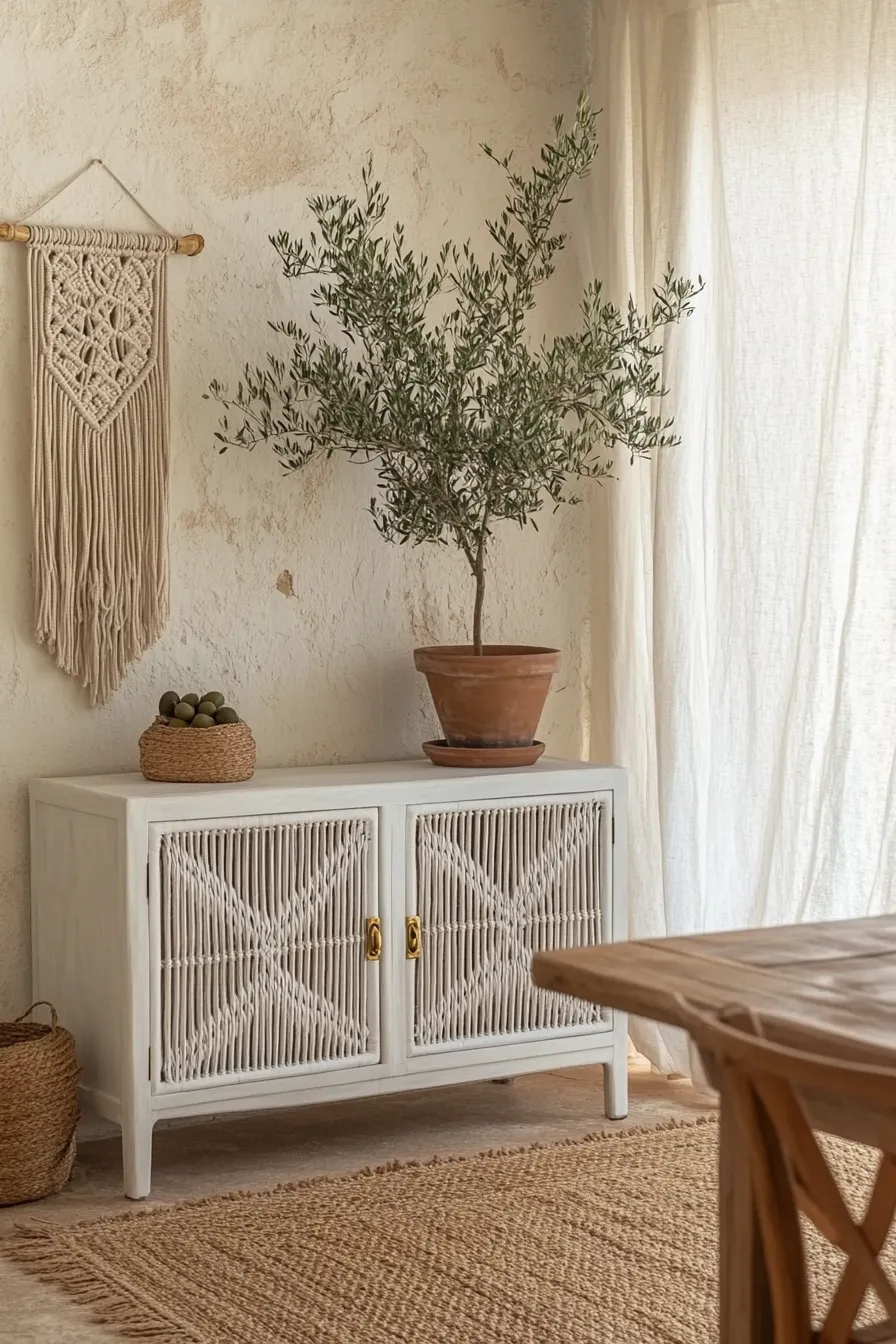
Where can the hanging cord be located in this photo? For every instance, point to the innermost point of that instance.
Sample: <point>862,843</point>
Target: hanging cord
<point>190,245</point>
<point>97,163</point>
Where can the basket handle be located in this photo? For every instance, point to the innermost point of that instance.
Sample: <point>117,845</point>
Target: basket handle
<point>41,1003</point>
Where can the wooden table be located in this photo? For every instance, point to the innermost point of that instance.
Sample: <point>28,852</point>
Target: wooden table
<point>818,982</point>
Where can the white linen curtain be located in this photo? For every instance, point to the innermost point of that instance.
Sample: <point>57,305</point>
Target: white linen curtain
<point>753,585</point>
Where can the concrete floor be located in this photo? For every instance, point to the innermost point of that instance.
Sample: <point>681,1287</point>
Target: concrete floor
<point>258,1151</point>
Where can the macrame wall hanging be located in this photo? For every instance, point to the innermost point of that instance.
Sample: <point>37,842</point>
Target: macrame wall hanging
<point>100,406</point>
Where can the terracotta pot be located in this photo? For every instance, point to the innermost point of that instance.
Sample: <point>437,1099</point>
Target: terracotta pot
<point>490,700</point>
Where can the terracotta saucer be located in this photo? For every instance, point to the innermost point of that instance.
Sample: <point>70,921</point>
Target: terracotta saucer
<point>478,758</point>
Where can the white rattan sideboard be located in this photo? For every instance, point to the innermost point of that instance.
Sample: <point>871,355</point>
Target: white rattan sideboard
<point>321,933</point>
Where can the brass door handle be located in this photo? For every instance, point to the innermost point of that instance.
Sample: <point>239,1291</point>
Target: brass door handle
<point>412,938</point>
<point>374,939</point>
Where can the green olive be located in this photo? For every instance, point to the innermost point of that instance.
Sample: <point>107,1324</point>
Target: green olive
<point>227,715</point>
<point>168,701</point>
<point>203,721</point>
<point>207,707</point>
<point>215,697</point>
<point>191,699</point>
<point>184,711</point>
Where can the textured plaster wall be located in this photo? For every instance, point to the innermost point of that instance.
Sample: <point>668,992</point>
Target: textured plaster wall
<point>223,115</point>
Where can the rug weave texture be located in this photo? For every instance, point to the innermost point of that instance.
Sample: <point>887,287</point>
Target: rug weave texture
<point>608,1241</point>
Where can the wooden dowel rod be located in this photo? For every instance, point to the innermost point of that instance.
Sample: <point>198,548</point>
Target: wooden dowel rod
<point>188,246</point>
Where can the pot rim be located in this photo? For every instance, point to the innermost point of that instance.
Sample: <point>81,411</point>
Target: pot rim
<point>496,660</point>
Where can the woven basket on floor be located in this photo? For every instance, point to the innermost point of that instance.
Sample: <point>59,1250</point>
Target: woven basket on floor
<point>38,1108</point>
<point>224,754</point>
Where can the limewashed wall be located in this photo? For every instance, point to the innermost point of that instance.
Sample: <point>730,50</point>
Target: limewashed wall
<point>223,116</point>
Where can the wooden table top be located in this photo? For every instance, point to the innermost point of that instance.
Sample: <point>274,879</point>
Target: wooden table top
<point>833,982</point>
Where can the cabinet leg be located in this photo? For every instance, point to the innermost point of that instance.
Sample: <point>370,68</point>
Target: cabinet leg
<point>136,1152</point>
<point>616,1089</point>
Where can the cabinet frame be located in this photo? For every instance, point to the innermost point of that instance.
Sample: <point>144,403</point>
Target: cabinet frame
<point>95,938</point>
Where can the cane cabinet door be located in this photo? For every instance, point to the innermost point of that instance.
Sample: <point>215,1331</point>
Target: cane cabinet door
<point>488,885</point>
<point>265,948</point>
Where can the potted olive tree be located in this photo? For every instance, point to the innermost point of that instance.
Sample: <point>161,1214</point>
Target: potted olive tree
<point>469,422</point>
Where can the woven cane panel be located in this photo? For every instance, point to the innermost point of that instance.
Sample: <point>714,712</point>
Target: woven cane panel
<point>263,948</point>
<point>495,885</point>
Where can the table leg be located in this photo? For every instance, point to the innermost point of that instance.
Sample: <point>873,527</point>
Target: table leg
<point>744,1304</point>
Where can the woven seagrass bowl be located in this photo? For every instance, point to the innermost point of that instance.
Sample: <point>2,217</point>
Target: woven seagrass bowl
<point>224,754</point>
<point>38,1108</point>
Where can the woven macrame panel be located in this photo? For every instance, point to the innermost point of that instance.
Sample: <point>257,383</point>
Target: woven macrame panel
<point>100,448</point>
<point>493,886</point>
<point>262,933</point>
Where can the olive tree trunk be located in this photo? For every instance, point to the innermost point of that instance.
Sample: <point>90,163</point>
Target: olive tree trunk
<point>479,577</point>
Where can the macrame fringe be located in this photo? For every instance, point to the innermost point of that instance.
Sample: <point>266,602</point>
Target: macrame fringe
<point>100,452</point>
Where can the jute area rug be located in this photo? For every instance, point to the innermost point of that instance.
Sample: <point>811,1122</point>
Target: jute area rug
<point>607,1241</point>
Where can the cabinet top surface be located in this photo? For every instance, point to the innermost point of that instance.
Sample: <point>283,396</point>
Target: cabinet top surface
<point>535,778</point>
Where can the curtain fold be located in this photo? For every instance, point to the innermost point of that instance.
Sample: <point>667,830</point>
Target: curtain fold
<point>752,579</point>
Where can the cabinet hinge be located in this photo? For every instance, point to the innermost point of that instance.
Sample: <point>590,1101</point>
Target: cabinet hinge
<point>412,938</point>
<point>374,939</point>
